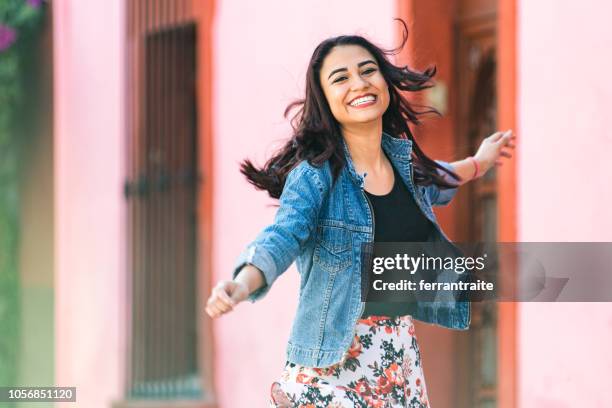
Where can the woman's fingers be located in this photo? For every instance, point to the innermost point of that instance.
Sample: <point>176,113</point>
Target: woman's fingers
<point>213,311</point>
<point>509,142</point>
<point>220,301</point>
<point>222,304</point>
<point>496,136</point>
<point>507,138</point>
<point>210,312</point>
<point>505,154</point>
<point>223,296</point>
<point>216,307</point>
<point>212,303</point>
<point>501,137</point>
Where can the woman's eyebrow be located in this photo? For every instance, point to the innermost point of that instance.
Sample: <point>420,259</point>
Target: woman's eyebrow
<point>362,63</point>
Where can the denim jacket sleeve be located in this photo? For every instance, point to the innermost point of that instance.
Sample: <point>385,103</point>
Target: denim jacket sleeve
<point>441,196</point>
<point>275,248</point>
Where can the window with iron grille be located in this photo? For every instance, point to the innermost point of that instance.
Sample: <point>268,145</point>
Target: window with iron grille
<point>162,194</point>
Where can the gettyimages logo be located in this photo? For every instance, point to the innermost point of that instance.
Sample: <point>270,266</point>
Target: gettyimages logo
<point>509,271</point>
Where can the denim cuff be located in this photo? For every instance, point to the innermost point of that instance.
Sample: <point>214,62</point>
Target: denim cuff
<point>445,195</point>
<point>262,260</point>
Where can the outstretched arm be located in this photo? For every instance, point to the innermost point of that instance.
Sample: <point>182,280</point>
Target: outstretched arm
<point>488,155</point>
<point>276,246</point>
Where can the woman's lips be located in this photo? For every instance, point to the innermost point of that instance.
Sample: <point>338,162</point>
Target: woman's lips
<point>364,105</point>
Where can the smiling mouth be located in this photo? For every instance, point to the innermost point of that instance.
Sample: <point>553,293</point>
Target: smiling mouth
<point>363,101</point>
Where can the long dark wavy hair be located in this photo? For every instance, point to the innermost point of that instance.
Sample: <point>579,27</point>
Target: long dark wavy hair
<point>316,132</point>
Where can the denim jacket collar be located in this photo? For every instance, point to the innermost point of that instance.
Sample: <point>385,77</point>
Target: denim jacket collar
<point>396,148</point>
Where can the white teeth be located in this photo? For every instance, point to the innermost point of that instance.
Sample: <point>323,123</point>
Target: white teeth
<point>363,100</point>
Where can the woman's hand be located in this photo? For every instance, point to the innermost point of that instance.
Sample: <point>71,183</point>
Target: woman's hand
<point>492,149</point>
<point>225,296</point>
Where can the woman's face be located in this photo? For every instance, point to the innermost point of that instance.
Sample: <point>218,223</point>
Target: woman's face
<point>353,85</point>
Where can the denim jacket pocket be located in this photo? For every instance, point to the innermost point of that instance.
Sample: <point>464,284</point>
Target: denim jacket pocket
<point>333,250</point>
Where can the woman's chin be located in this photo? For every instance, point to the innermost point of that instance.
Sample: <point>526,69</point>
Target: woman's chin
<point>366,118</point>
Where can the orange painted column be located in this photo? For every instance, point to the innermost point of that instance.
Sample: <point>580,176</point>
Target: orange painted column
<point>204,13</point>
<point>506,91</point>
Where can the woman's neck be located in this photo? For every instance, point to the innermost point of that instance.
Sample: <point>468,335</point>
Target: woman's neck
<point>365,148</point>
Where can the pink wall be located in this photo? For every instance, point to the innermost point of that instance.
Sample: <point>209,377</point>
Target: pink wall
<point>262,51</point>
<point>88,75</point>
<point>564,191</point>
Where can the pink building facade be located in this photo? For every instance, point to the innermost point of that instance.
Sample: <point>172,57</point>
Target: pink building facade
<point>257,58</point>
<point>564,357</point>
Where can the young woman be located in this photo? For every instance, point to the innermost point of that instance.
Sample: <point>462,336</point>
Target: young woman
<point>352,173</point>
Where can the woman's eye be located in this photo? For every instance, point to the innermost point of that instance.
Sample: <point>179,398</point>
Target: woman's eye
<point>366,72</point>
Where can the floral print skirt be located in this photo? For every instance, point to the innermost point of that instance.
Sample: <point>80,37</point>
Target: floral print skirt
<point>381,369</point>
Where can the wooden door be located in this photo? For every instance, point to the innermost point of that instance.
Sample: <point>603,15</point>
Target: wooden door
<point>475,78</point>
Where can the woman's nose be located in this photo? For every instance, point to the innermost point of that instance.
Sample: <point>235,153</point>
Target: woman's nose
<point>359,83</point>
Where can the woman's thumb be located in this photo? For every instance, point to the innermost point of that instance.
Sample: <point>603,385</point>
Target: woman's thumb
<point>235,292</point>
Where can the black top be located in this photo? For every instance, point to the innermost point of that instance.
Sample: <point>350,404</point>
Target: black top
<point>397,218</point>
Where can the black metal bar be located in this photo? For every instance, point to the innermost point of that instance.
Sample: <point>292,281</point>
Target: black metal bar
<point>172,258</point>
<point>192,217</point>
<point>148,334</point>
<point>155,175</point>
<point>182,285</point>
<point>139,348</point>
<point>166,104</point>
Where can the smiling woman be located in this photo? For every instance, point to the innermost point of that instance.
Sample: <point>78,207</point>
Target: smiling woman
<point>358,92</point>
<point>353,122</point>
<point>341,71</point>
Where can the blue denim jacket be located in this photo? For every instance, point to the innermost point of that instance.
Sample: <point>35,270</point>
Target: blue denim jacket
<point>321,228</point>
